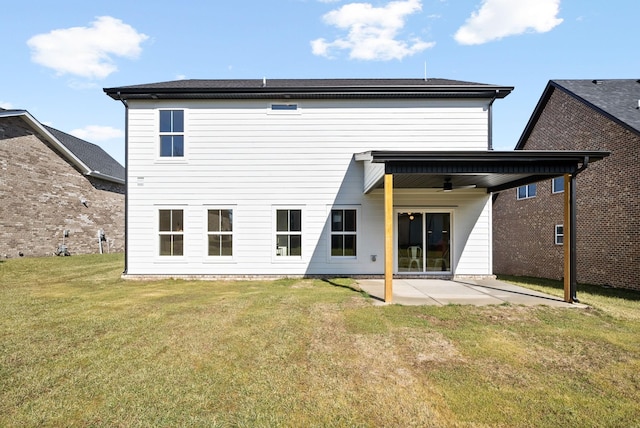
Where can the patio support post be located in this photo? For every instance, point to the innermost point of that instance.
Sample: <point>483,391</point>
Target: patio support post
<point>388,237</point>
<point>567,238</point>
<point>573,242</point>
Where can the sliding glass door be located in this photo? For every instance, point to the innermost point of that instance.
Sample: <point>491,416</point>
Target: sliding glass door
<point>424,239</point>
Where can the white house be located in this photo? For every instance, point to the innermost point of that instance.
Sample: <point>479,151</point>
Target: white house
<point>234,178</point>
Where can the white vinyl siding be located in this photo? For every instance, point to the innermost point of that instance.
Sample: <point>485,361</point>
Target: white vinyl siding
<point>239,155</point>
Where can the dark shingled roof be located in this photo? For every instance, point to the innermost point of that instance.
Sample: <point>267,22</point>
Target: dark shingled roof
<point>618,98</point>
<point>615,98</point>
<point>307,88</point>
<point>90,154</point>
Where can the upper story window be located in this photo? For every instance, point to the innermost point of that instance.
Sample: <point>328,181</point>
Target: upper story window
<point>525,192</point>
<point>288,232</point>
<point>220,232</point>
<point>557,185</point>
<point>171,230</point>
<point>343,233</point>
<point>171,133</point>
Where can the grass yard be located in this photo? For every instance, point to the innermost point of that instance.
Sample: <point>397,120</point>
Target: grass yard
<point>81,347</point>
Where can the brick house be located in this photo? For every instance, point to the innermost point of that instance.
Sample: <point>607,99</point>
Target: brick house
<point>56,190</point>
<point>528,221</point>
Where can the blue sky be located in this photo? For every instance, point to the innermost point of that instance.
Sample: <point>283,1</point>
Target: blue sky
<point>57,56</point>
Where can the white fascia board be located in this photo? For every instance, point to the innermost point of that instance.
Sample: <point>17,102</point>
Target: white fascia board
<point>364,156</point>
<point>373,173</point>
<point>54,141</point>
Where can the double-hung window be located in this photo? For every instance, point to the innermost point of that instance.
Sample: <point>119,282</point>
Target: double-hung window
<point>172,133</point>
<point>171,233</point>
<point>525,192</point>
<point>220,232</point>
<point>288,232</point>
<point>343,233</point>
<point>559,234</point>
<point>557,185</point>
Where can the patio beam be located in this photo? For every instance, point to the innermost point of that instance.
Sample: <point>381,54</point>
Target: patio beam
<point>388,238</point>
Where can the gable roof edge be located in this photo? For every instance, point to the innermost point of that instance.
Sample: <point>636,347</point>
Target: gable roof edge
<point>57,144</point>
<point>537,111</point>
<point>553,85</point>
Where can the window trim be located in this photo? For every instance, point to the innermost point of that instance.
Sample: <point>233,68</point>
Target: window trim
<point>559,235</point>
<point>207,233</point>
<point>553,185</point>
<point>343,259</point>
<point>528,196</point>
<point>288,258</point>
<point>160,134</point>
<point>159,233</point>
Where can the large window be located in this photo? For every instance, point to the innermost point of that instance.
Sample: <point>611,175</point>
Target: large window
<point>171,133</point>
<point>525,192</point>
<point>171,233</point>
<point>557,185</point>
<point>343,233</point>
<point>289,232</point>
<point>220,232</point>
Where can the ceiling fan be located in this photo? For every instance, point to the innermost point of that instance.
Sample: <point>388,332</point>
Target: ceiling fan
<point>448,186</point>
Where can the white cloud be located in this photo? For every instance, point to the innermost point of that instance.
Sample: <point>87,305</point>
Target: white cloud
<point>372,31</point>
<point>6,105</point>
<point>93,133</point>
<point>501,18</point>
<point>87,51</point>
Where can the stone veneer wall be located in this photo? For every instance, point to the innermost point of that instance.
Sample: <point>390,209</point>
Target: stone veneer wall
<point>608,203</point>
<point>41,196</point>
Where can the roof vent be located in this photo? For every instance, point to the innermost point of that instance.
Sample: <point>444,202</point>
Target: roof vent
<point>597,82</point>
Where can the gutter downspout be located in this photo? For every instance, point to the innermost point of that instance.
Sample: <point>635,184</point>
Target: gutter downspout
<point>572,230</point>
<point>490,127</point>
<point>126,183</point>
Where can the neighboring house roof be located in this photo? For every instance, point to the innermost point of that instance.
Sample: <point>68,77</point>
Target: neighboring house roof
<point>308,88</point>
<point>618,99</point>
<point>89,158</point>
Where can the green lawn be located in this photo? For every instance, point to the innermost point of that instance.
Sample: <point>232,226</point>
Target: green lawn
<point>81,347</point>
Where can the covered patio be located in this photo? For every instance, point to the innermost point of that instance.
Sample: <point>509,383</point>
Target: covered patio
<point>494,171</point>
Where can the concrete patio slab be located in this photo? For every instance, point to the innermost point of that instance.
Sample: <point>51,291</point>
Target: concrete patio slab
<point>460,292</point>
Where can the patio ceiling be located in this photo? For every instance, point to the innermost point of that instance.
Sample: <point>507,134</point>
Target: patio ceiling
<point>491,170</point>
